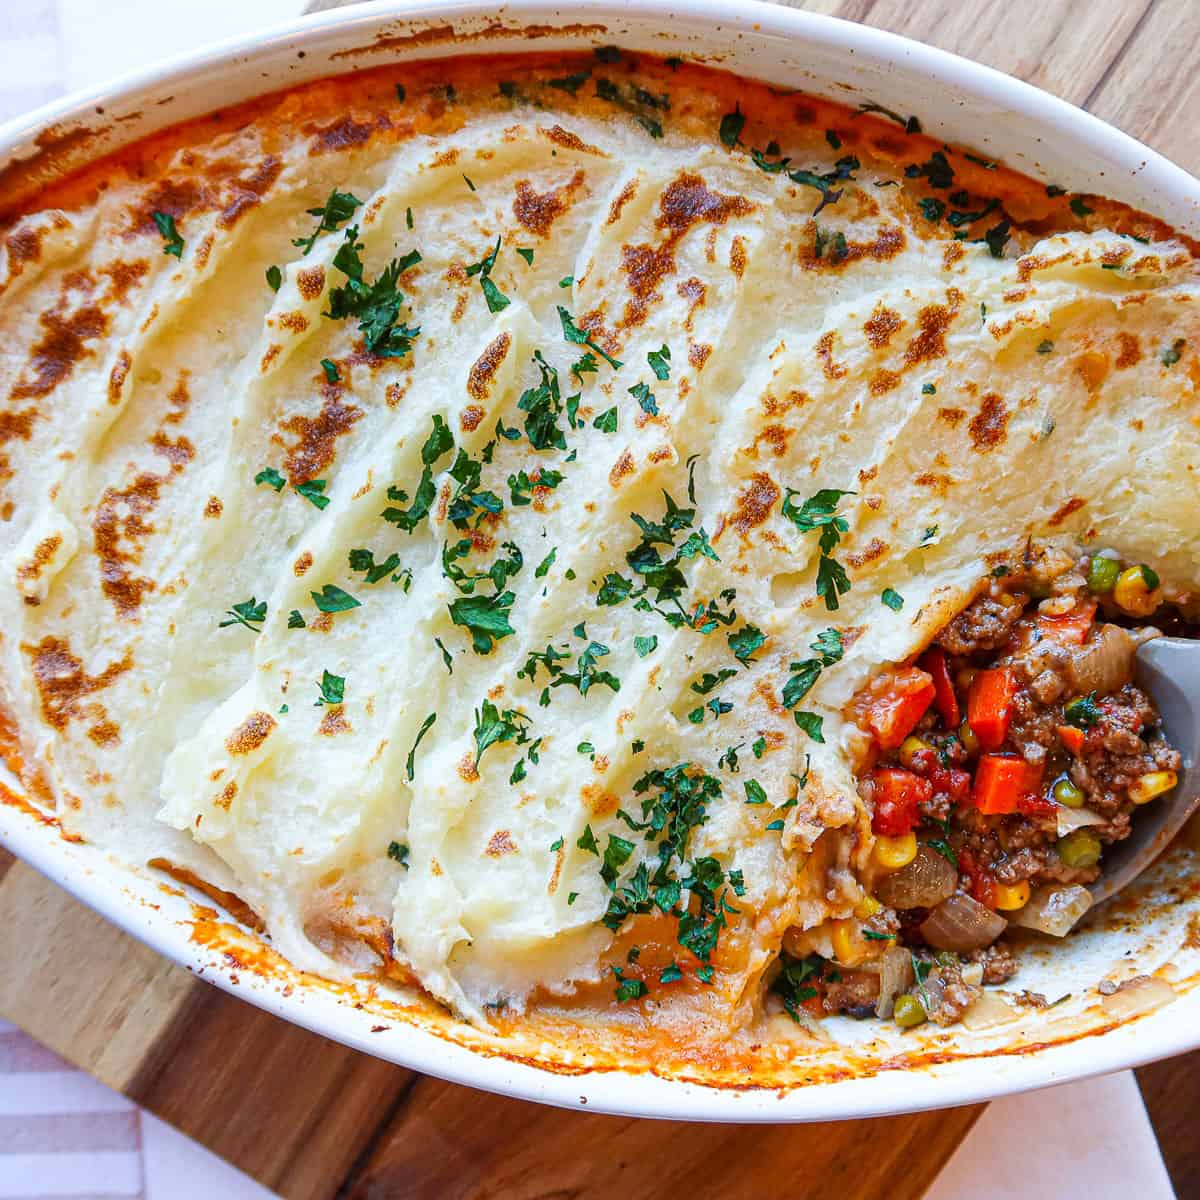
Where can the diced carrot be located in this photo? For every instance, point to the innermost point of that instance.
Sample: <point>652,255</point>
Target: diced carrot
<point>989,706</point>
<point>1002,781</point>
<point>897,794</point>
<point>1072,738</point>
<point>934,661</point>
<point>893,715</point>
<point>1070,629</point>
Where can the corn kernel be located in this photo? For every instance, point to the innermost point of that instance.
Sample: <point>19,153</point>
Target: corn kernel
<point>866,908</point>
<point>1136,594</point>
<point>892,853</point>
<point>1153,783</point>
<point>910,747</point>
<point>1007,898</point>
<point>848,945</point>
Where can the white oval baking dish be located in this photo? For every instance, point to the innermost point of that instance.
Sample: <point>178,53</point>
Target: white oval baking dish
<point>955,99</point>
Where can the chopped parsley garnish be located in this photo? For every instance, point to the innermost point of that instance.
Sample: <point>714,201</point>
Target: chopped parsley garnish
<point>587,841</point>
<point>493,727</point>
<point>645,397</point>
<point>628,989</point>
<point>336,211</point>
<point>271,478</point>
<point>755,792</point>
<point>931,531</point>
<point>928,389</point>
<point>660,362</point>
<point>1045,347</point>
<point>331,599</point>
<point>274,278</point>
<point>997,237</point>
<point>425,727</point>
<point>732,125</point>
<point>408,217</point>
<point>469,183</point>
<point>819,511</point>
<point>758,748</point>
<point>484,617</point>
<point>745,642</point>
<point>709,680</point>
<point>526,253</point>
<point>497,301</point>
<point>567,281</point>
<point>932,209</point>
<point>892,599</point>
<point>543,404</point>
<point>1083,712</point>
<point>332,689</point>
<point>772,163</point>
<point>570,83</point>
<point>447,657</point>
<point>580,337</point>
<point>811,724</point>
<point>804,675</point>
<point>606,422</point>
<point>398,852</point>
<point>1080,209</point>
<point>645,645</point>
<point>374,572</point>
<point>937,171</point>
<point>794,984</point>
<point>544,566</point>
<point>1174,352</point>
<point>331,370</point>
<point>313,491</point>
<point>729,759</point>
<point>910,124</point>
<point>251,613</point>
<point>376,305</point>
<point>439,442</point>
<point>296,619</point>
<point>172,241</point>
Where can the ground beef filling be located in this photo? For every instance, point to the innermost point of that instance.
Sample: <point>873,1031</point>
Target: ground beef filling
<point>1008,757</point>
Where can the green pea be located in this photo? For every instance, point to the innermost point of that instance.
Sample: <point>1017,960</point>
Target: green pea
<point>909,1012</point>
<point>1065,792</point>
<point>1079,849</point>
<point>1102,575</point>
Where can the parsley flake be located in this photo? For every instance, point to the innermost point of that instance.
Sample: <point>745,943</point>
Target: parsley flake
<point>425,727</point>
<point>332,689</point>
<point>892,599</point>
<point>250,613</point>
<point>336,211</point>
<point>172,241</point>
<point>332,599</point>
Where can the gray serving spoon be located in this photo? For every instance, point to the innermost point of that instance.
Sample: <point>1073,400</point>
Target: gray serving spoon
<point>1168,670</point>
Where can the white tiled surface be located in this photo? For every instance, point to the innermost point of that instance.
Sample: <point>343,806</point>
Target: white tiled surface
<point>63,1135</point>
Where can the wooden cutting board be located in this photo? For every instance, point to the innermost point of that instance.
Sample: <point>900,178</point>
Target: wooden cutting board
<point>312,1120</point>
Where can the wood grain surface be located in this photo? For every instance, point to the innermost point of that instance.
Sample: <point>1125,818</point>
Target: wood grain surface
<point>313,1120</point>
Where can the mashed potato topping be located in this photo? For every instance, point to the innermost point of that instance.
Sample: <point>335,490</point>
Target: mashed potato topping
<point>452,508</point>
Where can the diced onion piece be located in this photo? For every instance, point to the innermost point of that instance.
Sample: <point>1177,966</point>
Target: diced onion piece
<point>1103,664</point>
<point>987,1011</point>
<point>962,924</point>
<point>1070,819</point>
<point>1140,995</point>
<point>895,978</point>
<point>1054,910</point>
<point>926,881</point>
